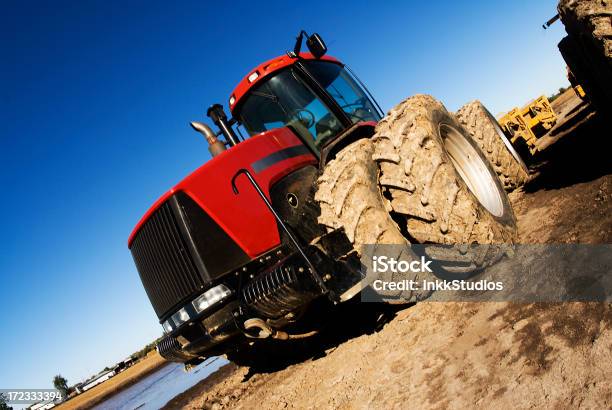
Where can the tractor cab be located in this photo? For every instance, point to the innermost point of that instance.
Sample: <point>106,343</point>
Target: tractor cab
<point>315,95</point>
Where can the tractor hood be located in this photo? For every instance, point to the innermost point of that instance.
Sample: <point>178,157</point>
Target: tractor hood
<point>200,230</point>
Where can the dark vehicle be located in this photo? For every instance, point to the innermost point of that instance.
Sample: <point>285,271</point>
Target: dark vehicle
<point>587,48</point>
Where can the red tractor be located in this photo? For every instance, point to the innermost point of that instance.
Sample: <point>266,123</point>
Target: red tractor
<point>274,223</point>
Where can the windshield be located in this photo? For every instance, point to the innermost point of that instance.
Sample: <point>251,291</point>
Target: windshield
<point>345,90</point>
<point>285,100</point>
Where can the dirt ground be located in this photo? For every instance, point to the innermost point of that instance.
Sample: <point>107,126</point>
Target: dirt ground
<point>458,355</point>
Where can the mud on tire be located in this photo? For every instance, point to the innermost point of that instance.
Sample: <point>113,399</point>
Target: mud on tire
<point>431,174</point>
<point>400,187</point>
<point>587,49</point>
<point>485,131</point>
<point>424,187</point>
<point>349,197</point>
<point>591,19</point>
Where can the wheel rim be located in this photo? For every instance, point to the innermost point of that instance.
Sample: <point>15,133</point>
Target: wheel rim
<point>472,169</point>
<point>506,141</point>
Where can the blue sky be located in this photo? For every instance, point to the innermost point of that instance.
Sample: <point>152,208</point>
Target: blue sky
<point>96,97</point>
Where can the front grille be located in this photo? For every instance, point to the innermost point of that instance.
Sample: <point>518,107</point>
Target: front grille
<point>281,289</point>
<point>166,267</point>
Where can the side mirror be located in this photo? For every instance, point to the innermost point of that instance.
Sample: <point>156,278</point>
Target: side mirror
<point>316,45</point>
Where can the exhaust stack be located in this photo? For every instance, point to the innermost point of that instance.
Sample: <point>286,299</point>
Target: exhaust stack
<point>217,115</point>
<point>215,147</point>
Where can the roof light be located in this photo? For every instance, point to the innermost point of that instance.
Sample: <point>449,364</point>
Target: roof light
<point>232,100</point>
<point>253,76</point>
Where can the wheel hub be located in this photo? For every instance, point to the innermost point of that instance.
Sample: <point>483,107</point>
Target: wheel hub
<point>472,169</point>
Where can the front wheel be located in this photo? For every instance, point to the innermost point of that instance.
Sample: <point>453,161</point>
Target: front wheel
<point>438,180</point>
<point>419,180</point>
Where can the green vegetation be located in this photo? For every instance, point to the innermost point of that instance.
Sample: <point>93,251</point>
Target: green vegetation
<point>553,97</point>
<point>61,384</point>
<point>145,350</point>
<point>3,405</point>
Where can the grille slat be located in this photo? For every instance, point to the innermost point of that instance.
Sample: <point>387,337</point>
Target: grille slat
<point>172,259</point>
<point>165,265</point>
<point>142,252</point>
<point>154,278</point>
<point>158,261</point>
<point>181,257</point>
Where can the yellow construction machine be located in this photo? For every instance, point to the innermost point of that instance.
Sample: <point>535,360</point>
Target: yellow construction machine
<point>523,126</point>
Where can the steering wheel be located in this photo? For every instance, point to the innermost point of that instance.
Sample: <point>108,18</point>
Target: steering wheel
<point>361,114</point>
<point>360,105</point>
<point>360,102</point>
<point>304,116</point>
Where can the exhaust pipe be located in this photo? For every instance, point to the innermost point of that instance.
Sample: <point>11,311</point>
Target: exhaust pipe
<point>550,22</point>
<point>258,329</point>
<point>263,331</point>
<point>217,115</point>
<point>215,147</point>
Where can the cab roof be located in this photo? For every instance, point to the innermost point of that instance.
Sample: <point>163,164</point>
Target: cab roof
<point>265,70</point>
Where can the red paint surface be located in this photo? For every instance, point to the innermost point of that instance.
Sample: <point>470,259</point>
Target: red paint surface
<point>244,217</point>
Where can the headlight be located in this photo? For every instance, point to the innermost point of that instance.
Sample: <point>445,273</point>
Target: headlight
<point>167,326</point>
<point>207,299</point>
<point>180,317</point>
<point>211,297</point>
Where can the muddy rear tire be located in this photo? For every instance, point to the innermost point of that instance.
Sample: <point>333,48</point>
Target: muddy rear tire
<point>498,149</point>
